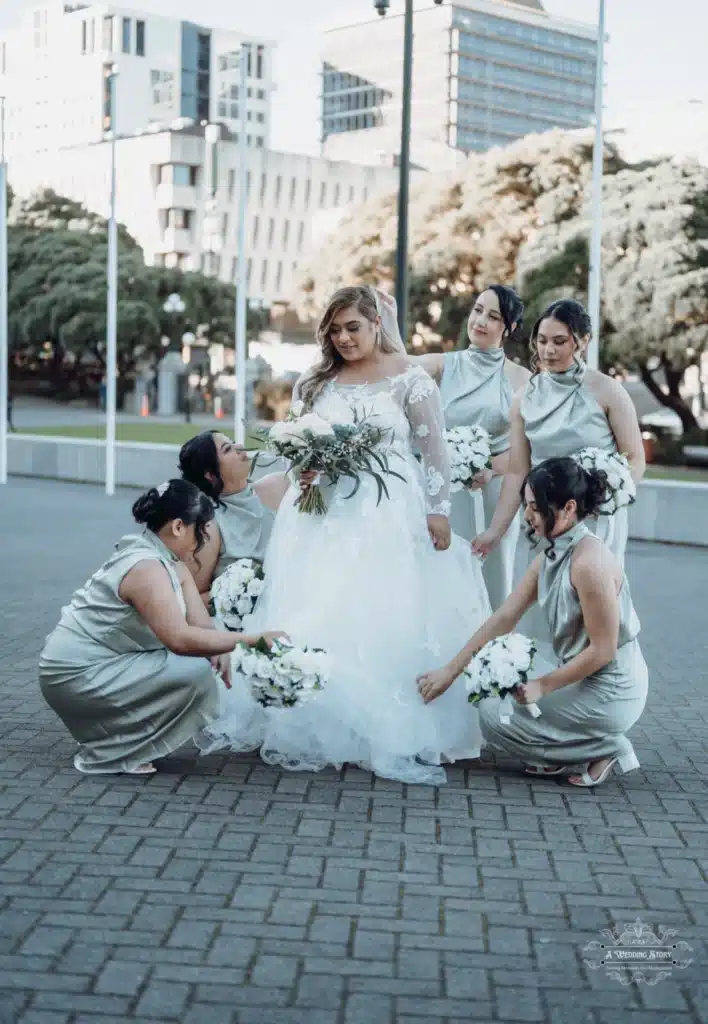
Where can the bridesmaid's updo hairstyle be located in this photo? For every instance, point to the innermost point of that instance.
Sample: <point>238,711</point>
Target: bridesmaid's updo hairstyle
<point>197,457</point>
<point>575,317</point>
<point>510,306</point>
<point>176,499</point>
<point>557,481</point>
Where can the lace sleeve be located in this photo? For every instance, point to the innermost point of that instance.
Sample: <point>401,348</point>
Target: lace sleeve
<point>425,415</point>
<point>296,403</point>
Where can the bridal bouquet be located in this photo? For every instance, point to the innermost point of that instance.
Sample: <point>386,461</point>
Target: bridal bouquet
<point>235,592</point>
<point>469,450</point>
<point>621,488</point>
<point>336,450</point>
<point>283,675</point>
<point>498,669</point>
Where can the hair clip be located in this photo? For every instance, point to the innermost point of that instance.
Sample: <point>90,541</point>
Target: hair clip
<point>162,488</point>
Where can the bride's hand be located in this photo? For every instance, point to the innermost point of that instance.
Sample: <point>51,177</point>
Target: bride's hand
<point>480,480</point>
<point>439,530</point>
<point>433,684</point>
<point>307,478</point>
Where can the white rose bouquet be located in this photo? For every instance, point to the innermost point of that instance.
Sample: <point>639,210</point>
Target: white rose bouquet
<point>469,450</point>
<point>311,443</point>
<point>621,488</point>
<point>283,675</point>
<point>498,669</point>
<point>235,592</point>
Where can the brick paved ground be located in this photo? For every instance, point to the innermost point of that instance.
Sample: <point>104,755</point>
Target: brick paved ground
<point>225,891</point>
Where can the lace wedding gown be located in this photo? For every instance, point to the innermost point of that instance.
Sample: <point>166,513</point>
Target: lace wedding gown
<point>365,583</point>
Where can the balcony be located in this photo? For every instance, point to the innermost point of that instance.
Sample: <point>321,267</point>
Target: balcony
<point>176,240</point>
<point>176,197</point>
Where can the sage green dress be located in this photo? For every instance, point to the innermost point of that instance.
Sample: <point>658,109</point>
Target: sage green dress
<point>583,721</point>
<point>562,416</point>
<point>476,391</point>
<point>122,695</point>
<point>245,525</point>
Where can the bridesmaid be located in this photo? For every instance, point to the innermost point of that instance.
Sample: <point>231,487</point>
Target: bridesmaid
<point>566,407</point>
<point>477,387</point>
<point>127,668</point>
<point>244,514</point>
<point>598,691</point>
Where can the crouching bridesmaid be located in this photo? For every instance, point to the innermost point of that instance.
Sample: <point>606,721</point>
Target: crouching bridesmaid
<point>599,689</point>
<point>129,669</point>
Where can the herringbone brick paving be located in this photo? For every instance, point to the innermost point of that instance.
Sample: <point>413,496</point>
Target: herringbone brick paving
<point>222,891</point>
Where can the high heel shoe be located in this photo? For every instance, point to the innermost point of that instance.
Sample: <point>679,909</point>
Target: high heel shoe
<point>625,762</point>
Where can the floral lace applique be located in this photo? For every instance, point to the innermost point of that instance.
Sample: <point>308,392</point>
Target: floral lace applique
<point>423,430</point>
<point>435,481</point>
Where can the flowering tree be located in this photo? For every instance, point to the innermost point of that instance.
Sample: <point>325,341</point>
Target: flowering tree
<point>521,215</point>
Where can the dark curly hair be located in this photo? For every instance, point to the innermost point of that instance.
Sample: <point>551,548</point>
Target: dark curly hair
<point>575,317</point>
<point>510,306</point>
<point>179,500</point>
<point>554,483</point>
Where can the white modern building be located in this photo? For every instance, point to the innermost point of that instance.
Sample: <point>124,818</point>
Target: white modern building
<point>485,72</point>
<point>54,66</point>
<point>165,183</point>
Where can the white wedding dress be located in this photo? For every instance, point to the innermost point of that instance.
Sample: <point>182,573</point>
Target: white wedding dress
<point>365,583</point>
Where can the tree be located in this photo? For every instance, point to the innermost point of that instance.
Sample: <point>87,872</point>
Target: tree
<point>57,258</point>
<point>520,215</point>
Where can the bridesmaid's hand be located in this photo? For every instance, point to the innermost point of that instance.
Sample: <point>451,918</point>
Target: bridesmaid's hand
<point>433,684</point>
<point>440,533</point>
<point>530,692</point>
<point>484,543</point>
<point>481,480</point>
<point>221,663</point>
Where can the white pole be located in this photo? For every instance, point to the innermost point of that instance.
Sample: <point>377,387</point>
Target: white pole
<point>595,277</point>
<point>241,342</point>
<point>4,368</point>
<point>112,309</point>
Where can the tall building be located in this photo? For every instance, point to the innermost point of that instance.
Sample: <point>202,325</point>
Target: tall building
<point>485,72</point>
<point>53,73</point>
<point>178,196</point>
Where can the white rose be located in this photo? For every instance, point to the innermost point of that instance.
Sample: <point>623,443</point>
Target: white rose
<point>249,664</point>
<point>255,587</point>
<point>315,424</point>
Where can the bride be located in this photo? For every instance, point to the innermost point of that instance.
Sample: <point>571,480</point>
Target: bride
<point>383,587</point>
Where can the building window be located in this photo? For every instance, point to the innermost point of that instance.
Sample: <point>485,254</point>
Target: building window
<point>300,235</point>
<point>337,191</point>
<point>126,35</point>
<point>224,225</point>
<point>107,98</point>
<point>279,277</point>
<point>259,61</point>
<point>179,220</point>
<point>260,142</point>
<point>264,275</point>
<point>271,231</point>
<point>264,185</point>
<point>232,182</point>
<point>351,193</point>
<point>256,225</point>
<point>139,38</point>
<point>286,234</point>
<point>108,33</point>
<point>249,271</point>
<point>162,83</point>
<point>323,194</point>
<point>308,193</point>
<point>293,191</point>
<point>278,189</point>
<point>84,45</point>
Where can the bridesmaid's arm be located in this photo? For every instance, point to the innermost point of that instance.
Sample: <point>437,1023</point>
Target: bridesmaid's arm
<point>593,573</point>
<point>622,417</point>
<point>432,362</point>
<point>504,620</point>
<point>271,489</point>
<point>518,465</point>
<point>196,612</point>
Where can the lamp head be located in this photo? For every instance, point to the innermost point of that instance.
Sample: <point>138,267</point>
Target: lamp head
<point>382,6</point>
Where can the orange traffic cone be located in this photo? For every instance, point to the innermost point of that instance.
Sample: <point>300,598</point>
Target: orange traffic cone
<point>144,406</point>
<point>218,411</point>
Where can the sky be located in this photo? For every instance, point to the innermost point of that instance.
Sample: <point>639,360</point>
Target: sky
<point>656,58</point>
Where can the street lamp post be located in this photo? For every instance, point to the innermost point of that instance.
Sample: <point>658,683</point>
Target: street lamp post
<point>240,340</point>
<point>112,303</point>
<point>595,275</point>
<point>4,359</point>
<point>382,7</point>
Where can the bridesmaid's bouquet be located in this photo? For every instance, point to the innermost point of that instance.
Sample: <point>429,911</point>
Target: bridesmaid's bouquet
<point>235,592</point>
<point>281,676</point>
<point>311,443</point>
<point>621,488</point>
<point>498,669</point>
<point>469,450</point>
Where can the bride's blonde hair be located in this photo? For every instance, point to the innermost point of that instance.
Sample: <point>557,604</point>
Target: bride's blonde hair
<point>365,301</point>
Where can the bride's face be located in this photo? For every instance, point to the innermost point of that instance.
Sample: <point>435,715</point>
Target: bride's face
<point>353,336</point>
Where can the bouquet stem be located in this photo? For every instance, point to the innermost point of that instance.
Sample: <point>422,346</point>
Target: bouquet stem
<point>312,501</point>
